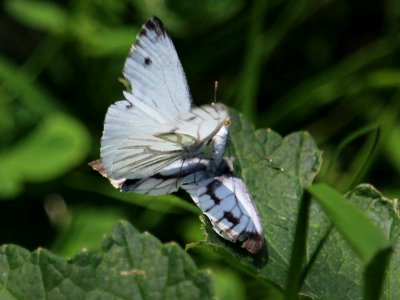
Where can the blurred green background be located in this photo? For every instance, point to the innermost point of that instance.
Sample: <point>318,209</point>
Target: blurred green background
<point>329,67</point>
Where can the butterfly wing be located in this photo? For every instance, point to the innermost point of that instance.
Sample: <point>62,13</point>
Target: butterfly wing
<point>202,122</point>
<point>167,181</point>
<point>155,126</point>
<point>225,200</point>
<point>155,71</point>
<point>124,119</point>
<point>151,150</point>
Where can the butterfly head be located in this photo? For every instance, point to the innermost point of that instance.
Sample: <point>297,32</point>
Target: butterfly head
<point>227,122</point>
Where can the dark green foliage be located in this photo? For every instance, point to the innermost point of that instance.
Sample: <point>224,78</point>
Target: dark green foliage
<point>130,265</point>
<point>326,70</point>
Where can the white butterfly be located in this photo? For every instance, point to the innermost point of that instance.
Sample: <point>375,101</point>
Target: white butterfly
<point>154,141</point>
<point>155,125</point>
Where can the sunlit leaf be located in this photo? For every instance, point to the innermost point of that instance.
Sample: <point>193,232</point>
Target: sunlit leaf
<point>130,265</point>
<point>277,195</point>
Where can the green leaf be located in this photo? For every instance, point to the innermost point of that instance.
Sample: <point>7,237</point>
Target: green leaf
<point>179,15</point>
<point>42,15</point>
<point>228,285</point>
<point>297,257</point>
<point>130,265</point>
<point>19,84</point>
<point>97,40</point>
<point>364,237</point>
<point>83,228</point>
<point>336,263</point>
<point>57,144</point>
<point>277,194</point>
<point>384,78</point>
<point>361,234</point>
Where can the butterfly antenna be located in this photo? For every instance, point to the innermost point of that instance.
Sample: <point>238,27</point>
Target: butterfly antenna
<point>275,167</point>
<point>215,91</point>
<point>269,161</point>
<point>271,164</point>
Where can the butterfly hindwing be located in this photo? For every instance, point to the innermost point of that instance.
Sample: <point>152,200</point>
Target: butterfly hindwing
<point>170,179</point>
<point>225,200</point>
<point>124,118</point>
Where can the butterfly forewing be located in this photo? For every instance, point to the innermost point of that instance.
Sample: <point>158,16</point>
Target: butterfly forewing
<point>155,125</point>
<point>124,118</point>
<point>139,156</point>
<point>155,72</point>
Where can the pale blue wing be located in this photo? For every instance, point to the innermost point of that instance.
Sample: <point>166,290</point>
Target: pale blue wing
<point>123,120</point>
<point>202,122</point>
<point>155,72</point>
<point>153,146</point>
<point>140,157</point>
<point>168,180</point>
<point>225,200</point>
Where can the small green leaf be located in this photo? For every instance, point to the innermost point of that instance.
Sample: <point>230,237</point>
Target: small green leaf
<point>19,84</point>
<point>100,41</point>
<point>179,15</point>
<point>384,78</point>
<point>54,147</point>
<point>130,265</point>
<point>42,15</point>
<point>83,228</point>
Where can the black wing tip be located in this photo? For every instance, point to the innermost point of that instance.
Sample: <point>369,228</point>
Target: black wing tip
<point>153,24</point>
<point>156,20</point>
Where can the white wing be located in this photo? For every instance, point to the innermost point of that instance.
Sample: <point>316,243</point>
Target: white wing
<point>140,149</point>
<point>225,200</point>
<point>155,72</point>
<point>155,125</point>
<point>167,181</point>
<point>218,144</point>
